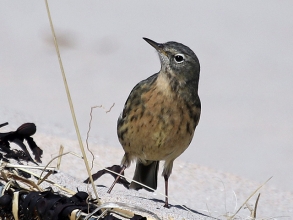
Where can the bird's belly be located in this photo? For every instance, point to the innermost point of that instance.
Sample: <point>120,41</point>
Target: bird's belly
<point>159,128</point>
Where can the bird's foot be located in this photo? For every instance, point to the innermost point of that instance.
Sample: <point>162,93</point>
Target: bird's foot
<point>166,205</point>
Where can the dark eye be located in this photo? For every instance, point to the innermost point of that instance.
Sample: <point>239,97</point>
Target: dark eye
<point>179,58</point>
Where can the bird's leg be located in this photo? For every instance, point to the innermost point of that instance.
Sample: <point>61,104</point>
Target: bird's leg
<point>166,191</point>
<point>116,180</point>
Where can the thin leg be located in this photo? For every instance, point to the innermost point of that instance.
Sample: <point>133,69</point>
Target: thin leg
<point>116,180</point>
<point>166,191</point>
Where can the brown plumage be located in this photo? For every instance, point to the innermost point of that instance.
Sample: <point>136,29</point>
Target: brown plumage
<point>160,115</point>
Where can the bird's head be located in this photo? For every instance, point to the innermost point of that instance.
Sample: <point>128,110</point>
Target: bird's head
<point>178,60</point>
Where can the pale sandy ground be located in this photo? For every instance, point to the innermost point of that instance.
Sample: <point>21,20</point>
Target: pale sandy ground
<point>245,50</point>
<point>200,188</point>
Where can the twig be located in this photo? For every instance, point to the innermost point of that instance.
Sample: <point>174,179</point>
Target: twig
<point>110,108</point>
<point>88,134</point>
<point>90,126</point>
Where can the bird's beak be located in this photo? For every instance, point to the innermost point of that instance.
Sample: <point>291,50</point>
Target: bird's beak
<point>157,46</point>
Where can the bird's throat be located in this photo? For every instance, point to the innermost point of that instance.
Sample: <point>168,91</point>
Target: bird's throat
<point>163,84</point>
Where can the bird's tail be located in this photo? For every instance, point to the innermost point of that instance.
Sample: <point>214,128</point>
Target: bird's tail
<point>145,174</point>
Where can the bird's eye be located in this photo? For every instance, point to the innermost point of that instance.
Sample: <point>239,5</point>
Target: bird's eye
<point>179,58</point>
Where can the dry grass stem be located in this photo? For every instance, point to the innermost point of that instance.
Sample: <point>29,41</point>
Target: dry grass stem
<point>231,217</point>
<point>59,158</point>
<point>253,214</point>
<point>51,162</point>
<point>71,103</point>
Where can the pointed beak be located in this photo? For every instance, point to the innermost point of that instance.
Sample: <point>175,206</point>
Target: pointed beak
<point>157,46</point>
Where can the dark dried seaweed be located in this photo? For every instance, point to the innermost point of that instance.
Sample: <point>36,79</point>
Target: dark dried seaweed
<point>24,132</point>
<point>114,168</point>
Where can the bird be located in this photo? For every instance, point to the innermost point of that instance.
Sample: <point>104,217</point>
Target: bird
<point>160,116</point>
